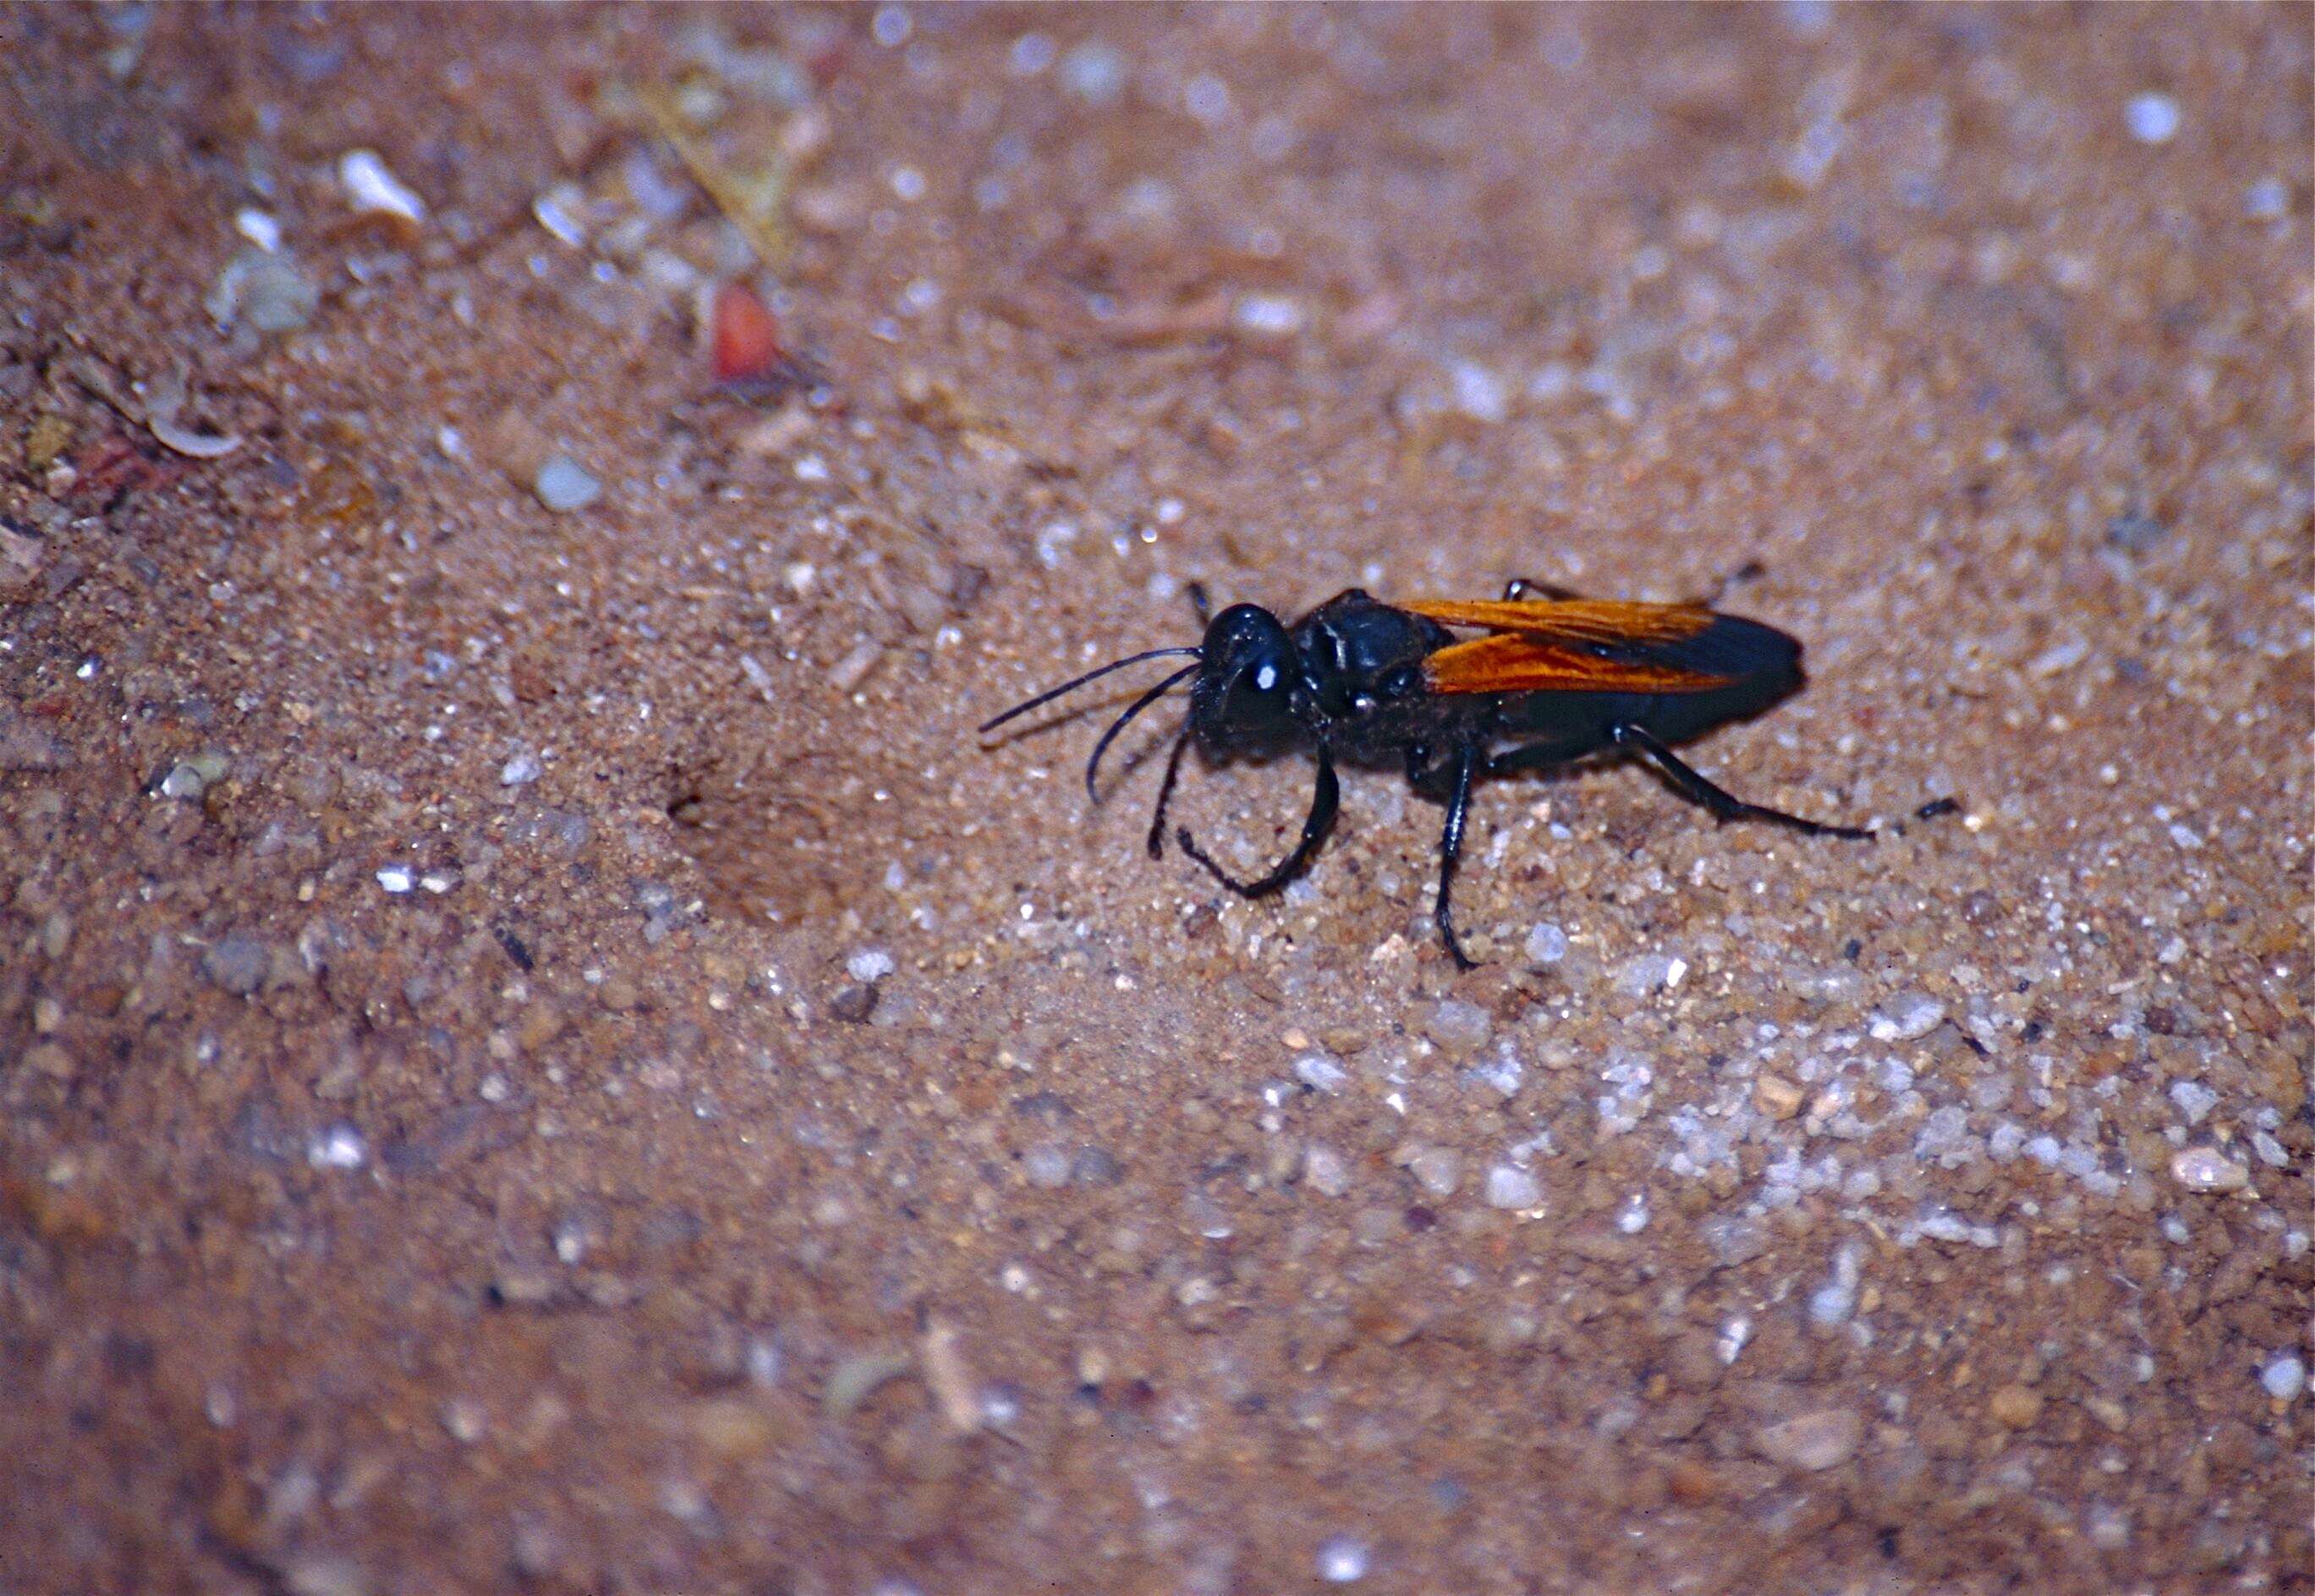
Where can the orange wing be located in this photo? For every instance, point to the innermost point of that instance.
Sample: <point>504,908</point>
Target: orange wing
<point>1515,663</point>
<point>1598,621</point>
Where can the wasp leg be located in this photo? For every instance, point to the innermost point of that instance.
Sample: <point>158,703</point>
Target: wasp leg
<point>1450,849</point>
<point>1315,825</point>
<point>1719,804</point>
<point>1520,587</point>
<point>1165,795</point>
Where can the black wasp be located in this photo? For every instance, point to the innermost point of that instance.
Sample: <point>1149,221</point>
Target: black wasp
<point>1555,679</point>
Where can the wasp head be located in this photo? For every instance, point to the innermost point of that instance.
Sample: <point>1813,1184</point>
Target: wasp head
<point>1243,701</point>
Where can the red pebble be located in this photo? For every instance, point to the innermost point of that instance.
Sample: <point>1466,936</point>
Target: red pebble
<point>746,338</point>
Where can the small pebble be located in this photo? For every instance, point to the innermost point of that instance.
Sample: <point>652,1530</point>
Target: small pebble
<point>1777,1097</point>
<point>564,485</point>
<point>1320,1073</point>
<point>1267,315</point>
<point>1546,943</point>
<point>1458,1029</point>
<point>397,878</point>
<point>2266,200</point>
<point>182,782</point>
<point>373,187</point>
<point>1438,1170</point>
<point>2152,117</point>
<point>869,964</point>
<point>340,1146</point>
<point>1343,1558</point>
<point>1046,1164</point>
<point>2014,1406</point>
<point>520,771</point>
<point>1509,1186</point>
<point>1324,1169</point>
<point>2207,1170</point>
<point>2284,1377</point>
<point>1480,393</point>
<point>238,964</point>
<point>1821,1440</point>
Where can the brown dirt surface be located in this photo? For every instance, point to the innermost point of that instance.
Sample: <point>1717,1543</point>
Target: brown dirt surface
<point>538,1050</point>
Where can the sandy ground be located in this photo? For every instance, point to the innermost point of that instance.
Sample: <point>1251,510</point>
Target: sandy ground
<point>538,1050</point>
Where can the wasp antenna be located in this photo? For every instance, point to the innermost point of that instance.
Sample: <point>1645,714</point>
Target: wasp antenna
<point>1092,766</point>
<point>1050,694</point>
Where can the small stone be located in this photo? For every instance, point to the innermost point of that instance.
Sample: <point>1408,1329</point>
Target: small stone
<point>372,186</point>
<point>1906,1017</point>
<point>397,879</point>
<point>1341,1560</point>
<point>1046,1164</point>
<point>1457,1028</point>
<point>1509,1186</point>
<point>1324,1169</point>
<point>1824,1438</point>
<point>1267,316</point>
<point>266,292</point>
<point>2014,1406</point>
<point>854,1003</point>
<point>237,963</point>
<point>1480,393</point>
<point>1777,1097</point>
<point>2284,1377</point>
<point>340,1146</point>
<point>564,485</point>
<point>2266,200</point>
<point>1546,943</point>
<point>465,1419</point>
<point>2207,1170</point>
<point>182,782</point>
<point>520,771</point>
<point>1438,1170</point>
<point>1321,1073</point>
<point>2152,117</point>
<point>870,964</point>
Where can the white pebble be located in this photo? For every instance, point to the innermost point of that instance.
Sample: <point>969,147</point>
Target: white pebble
<point>1546,943</point>
<point>1509,1186</point>
<point>1480,393</point>
<point>340,1146</point>
<point>2194,1099</point>
<point>397,878</point>
<point>2154,118</point>
<point>563,485</point>
<point>2207,1170</point>
<point>2284,1377</point>
<point>1324,1169</point>
<point>1267,315</point>
<point>1341,1559</point>
<point>869,964</point>
<point>1320,1073</point>
<point>520,771</point>
<point>372,188</point>
<point>259,228</point>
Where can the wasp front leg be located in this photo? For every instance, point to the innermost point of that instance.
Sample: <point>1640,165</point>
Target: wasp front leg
<point>1324,802</point>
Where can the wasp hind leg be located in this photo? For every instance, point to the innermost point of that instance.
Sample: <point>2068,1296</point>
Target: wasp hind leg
<point>1464,766</point>
<point>1324,801</point>
<point>1720,804</point>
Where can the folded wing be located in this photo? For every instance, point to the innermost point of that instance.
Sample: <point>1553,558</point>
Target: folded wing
<point>1578,645</point>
